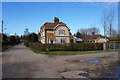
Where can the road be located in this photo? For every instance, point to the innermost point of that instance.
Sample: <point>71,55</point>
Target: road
<point>21,62</point>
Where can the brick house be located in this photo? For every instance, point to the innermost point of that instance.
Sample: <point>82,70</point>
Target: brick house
<point>57,32</point>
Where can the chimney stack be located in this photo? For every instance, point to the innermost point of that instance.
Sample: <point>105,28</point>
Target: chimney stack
<point>93,33</point>
<point>56,20</point>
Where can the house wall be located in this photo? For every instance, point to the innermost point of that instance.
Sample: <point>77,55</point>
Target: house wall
<point>58,39</point>
<point>42,38</point>
<point>50,31</point>
<point>101,40</point>
<point>57,31</point>
<point>42,33</point>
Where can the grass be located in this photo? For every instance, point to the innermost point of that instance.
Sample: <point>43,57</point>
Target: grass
<point>69,52</point>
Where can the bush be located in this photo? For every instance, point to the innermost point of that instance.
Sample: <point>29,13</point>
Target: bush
<point>65,47</point>
<point>33,37</point>
<point>4,37</point>
<point>12,39</point>
<point>5,43</point>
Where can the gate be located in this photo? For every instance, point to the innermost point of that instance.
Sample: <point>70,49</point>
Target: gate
<point>114,45</point>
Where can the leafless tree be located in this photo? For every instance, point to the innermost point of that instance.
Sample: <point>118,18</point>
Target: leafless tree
<point>89,31</point>
<point>114,33</point>
<point>110,19</point>
<point>104,21</point>
<point>84,31</point>
<point>94,30</point>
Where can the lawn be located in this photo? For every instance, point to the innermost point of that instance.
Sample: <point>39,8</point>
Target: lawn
<point>69,52</point>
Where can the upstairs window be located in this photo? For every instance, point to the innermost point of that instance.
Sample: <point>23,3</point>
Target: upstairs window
<point>62,32</point>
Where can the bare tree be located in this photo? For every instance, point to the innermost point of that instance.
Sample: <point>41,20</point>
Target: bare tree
<point>104,21</point>
<point>110,19</point>
<point>89,31</point>
<point>84,32</point>
<point>93,30</point>
<point>114,33</point>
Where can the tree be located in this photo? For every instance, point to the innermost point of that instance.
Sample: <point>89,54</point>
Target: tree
<point>84,32</point>
<point>4,37</point>
<point>94,30</point>
<point>78,34</point>
<point>74,34</point>
<point>26,32</point>
<point>89,31</point>
<point>33,37</point>
<point>104,21</point>
<point>12,39</point>
<point>110,18</point>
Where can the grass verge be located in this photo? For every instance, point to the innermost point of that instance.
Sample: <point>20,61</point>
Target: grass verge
<point>70,52</point>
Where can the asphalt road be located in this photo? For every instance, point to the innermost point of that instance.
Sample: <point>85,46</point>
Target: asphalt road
<point>21,62</point>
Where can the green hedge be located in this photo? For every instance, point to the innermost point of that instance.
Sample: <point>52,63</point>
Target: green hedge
<point>65,47</point>
<point>5,43</point>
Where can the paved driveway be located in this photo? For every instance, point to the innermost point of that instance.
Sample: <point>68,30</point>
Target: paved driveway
<point>21,62</point>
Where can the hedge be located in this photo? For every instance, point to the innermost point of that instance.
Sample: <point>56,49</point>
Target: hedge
<point>65,47</point>
<point>5,43</point>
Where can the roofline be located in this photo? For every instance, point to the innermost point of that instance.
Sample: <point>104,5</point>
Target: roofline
<point>59,24</point>
<point>56,26</point>
<point>100,37</point>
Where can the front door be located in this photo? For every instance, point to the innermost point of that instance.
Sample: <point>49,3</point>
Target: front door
<point>71,40</point>
<point>51,40</point>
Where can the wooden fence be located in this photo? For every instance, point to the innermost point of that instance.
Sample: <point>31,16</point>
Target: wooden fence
<point>111,46</point>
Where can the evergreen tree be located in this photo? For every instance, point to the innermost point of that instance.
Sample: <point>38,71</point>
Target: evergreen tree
<point>78,35</point>
<point>33,37</point>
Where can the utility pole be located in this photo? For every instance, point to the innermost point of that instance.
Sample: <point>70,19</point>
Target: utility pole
<point>2,32</point>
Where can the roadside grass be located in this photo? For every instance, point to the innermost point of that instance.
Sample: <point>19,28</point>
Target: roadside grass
<point>70,52</point>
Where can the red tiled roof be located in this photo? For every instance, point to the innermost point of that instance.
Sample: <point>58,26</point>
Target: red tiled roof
<point>62,23</point>
<point>92,37</point>
<point>48,25</point>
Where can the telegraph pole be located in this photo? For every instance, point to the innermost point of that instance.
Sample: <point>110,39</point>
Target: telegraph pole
<point>2,32</point>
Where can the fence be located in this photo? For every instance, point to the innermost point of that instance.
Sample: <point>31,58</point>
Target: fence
<point>111,46</point>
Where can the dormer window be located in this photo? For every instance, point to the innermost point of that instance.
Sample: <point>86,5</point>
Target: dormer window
<point>62,32</point>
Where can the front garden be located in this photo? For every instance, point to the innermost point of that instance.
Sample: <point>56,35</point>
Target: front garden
<point>62,49</point>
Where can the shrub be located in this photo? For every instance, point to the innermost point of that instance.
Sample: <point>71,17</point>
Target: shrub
<point>12,39</point>
<point>65,47</point>
<point>33,37</point>
<point>4,37</point>
<point>4,43</point>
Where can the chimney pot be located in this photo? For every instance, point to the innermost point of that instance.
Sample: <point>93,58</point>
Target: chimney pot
<point>93,33</point>
<point>56,20</point>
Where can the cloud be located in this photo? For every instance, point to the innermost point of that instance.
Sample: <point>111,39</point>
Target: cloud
<point>60,0</point>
